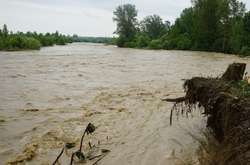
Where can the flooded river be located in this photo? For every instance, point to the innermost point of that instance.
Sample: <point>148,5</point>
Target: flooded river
<point>47,97</point>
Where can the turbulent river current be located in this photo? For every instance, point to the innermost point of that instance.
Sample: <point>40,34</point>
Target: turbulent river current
<point>47,97</point>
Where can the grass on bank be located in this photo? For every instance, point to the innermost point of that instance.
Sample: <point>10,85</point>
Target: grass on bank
<point>241,89</point>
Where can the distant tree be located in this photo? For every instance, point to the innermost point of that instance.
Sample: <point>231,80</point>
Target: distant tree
<point>185,24</point>
<point>207,23</point>
<point>237,8</point>
<point>5,30</point>
<point>236,35</point>
<point>230,15</point>
<point>56,34</point>
<point>155,44</point>
<point>182,33</point>
<point>1,40</point>
<point>217,24</point>
<point>142,40</point>
<point>125,17</point>
<point>167,25</point>
<point>246,21</point>
<point>246,29</point>
<point>153,26</point>
<point>30,40</point>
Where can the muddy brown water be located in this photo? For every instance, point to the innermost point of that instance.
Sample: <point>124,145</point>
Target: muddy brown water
<point>47,97</point>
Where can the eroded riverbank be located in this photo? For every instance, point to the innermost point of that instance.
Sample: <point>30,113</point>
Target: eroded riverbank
<point>49,96</point>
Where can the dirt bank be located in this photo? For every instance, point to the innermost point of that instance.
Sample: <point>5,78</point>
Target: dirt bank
<point>226,102</point>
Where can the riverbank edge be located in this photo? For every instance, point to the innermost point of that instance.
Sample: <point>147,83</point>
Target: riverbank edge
<point>193,50</point>
<point>226,103</point>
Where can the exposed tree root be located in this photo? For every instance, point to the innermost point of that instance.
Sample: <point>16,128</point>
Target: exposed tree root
<point>228,113</point>
<point>176,100</point>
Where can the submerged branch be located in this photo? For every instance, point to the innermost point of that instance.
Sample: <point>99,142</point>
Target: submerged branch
<point>175,100</point>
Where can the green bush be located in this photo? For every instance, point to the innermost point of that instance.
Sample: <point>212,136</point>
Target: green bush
<point>61,41</point>
<point>165,44</point>
<point>31,43</point>
<point>131,44</point>
<point>19,43</point>
<point>155,44</point>
<point>164,41</point>
<point>242,88</point>
<point>142,41</point>
<point>121,40</point>
<point>217,45</point>
<point>184,43</point>
<point>1,44</point>
<point>46,41</point>
<point>30,40</point>
<point>245,51</point>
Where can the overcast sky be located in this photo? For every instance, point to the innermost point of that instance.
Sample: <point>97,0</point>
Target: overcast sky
<point>82,17</point>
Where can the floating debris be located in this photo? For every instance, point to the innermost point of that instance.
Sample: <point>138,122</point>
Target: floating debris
<point>2,120</point>
<point>90,128</point>
<point>79,153</point>
<point>28,154</point>
<point>105,151</point>
<point>31,110</point>
<point>70,145</point>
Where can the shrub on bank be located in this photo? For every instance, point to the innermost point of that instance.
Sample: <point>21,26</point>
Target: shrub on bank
<point>121,40</point>
<point>131,44</point>
<point>155,44</point>
<point>19,43</point>
<point>142,41</point>
<point>184,43</point>
<point>30,40</point>
<point>31,43</point>
<point>245,51</point>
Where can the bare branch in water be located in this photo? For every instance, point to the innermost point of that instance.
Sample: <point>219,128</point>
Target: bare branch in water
<point>175,100</point>
<point>58,156</point>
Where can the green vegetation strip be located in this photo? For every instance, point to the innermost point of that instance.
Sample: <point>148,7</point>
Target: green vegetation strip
<point>208,25</point>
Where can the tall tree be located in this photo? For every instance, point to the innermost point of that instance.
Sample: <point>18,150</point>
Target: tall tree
<point>153,26</point>
<point>167,25</point>
<point>5,30</point>
<point>125,17</point>
<point>237,8</point>
<point>230,16</point>
<point>206,21</point>
<point>247,22</point>
<point>246,28</point>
